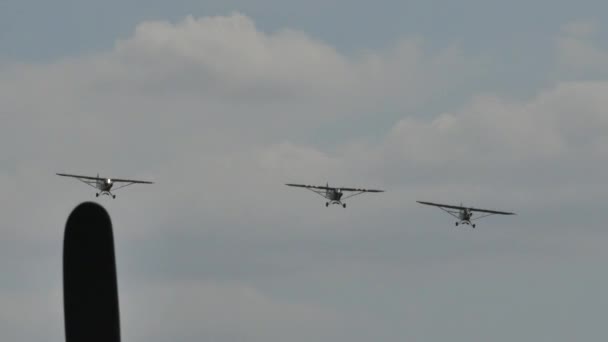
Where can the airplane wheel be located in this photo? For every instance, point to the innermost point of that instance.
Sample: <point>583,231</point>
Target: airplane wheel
<point>474,226</point>
<point>344,205</point>
<point>327,204</point>
<point>96,195</point>
<point>456,224</point>
<point>113,196</point>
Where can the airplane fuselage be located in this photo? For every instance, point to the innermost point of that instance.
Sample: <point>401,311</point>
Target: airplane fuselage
<point>465,217</point>
<point>334,196</point>
<point>105,185</point>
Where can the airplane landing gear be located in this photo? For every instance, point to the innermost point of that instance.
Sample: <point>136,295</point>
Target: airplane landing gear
<point>113,196</point>
<point>326,204</point>
<point>344,205</point>
<point>96,194</point>
<point>473,226</point>
<point>456,224</point>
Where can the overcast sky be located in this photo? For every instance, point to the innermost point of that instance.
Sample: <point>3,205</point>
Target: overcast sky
<point>492,104</point>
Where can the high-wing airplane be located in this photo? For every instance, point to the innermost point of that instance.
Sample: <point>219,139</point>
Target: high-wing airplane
<point>334,195</point>
<point>465,214</point>
<point>104,185</point>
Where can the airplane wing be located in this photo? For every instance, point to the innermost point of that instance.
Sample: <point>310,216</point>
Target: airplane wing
<point>115,180</point>
<point>333,188</point>
<point>491,211</point>
<point>118,180</point>
<point>320,190</point>
<point>360,190</point>
<point>442,205</point>
<point>79,177</point>
<point>456,207</point>
<point>311,187</point>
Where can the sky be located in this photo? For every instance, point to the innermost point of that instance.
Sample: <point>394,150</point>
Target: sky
<point>491,104</point>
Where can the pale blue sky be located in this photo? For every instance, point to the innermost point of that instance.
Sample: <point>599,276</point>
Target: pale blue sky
<point>40,30</point>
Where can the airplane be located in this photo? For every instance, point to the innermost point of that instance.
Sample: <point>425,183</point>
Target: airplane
<point>104,185</point>
<point>465,214</point>
<point>333,195</point>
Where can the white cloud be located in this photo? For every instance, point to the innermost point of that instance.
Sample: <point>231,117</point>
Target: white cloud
<point>234,53</point>
<point>541,152</point>
<point>567,119</point>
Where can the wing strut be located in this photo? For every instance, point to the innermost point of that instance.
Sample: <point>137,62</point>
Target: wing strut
<point>482,216</point>
<point>92,184</point>
<point>318,192</point>
<point>123,186</point>
<point>354,194</point>
<point>452,213</point>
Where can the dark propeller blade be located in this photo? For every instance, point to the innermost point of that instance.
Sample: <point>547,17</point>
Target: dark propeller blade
<point>90,292</point>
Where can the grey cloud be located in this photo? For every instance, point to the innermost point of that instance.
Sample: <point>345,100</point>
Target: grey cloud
<point>221,114</point>
<point>221,311</point>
